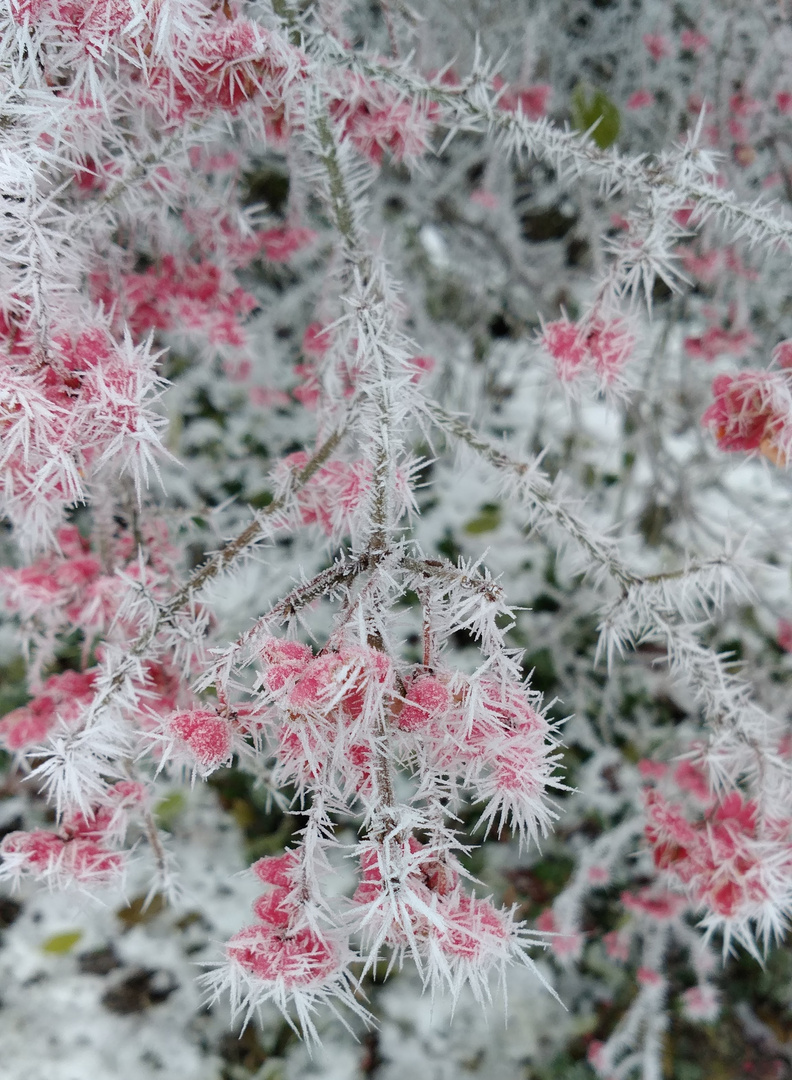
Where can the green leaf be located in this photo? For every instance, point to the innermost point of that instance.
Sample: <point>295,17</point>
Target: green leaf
<point>60,944</point>
<point>597,109</point>
<point>487,519</point>
<point>168,809</point>
<point>260,499</point>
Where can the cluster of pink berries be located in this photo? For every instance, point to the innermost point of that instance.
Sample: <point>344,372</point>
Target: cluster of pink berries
<point>337,493</point>
<point>69,588</point>
<point>62,699</point>
<point>596,345</point>
<point>280,947</point>
<point>752,411</point>
<point>376,119</point>
<point>84,849</point>
<point>730,862</point>
<point>484,734</point>
<point>63,414</point>
<point>427,915</point>
<point>409,900</point>
<point>717,341</point>
<point>196,297</point>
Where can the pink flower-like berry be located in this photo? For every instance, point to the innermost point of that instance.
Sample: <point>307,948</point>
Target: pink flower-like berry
<point>597,345</point>
<point>205,735</point>
<point>751,411</point>
<point>300,960</point>
<point>427,698</point>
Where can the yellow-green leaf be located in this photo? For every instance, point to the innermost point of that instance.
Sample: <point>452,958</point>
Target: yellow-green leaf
<point>597,109</point>
<point>487,519</point>
<point>61,944</point>
<point>243,813</point>
<point>138,911</point>
<point>168,809</point>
